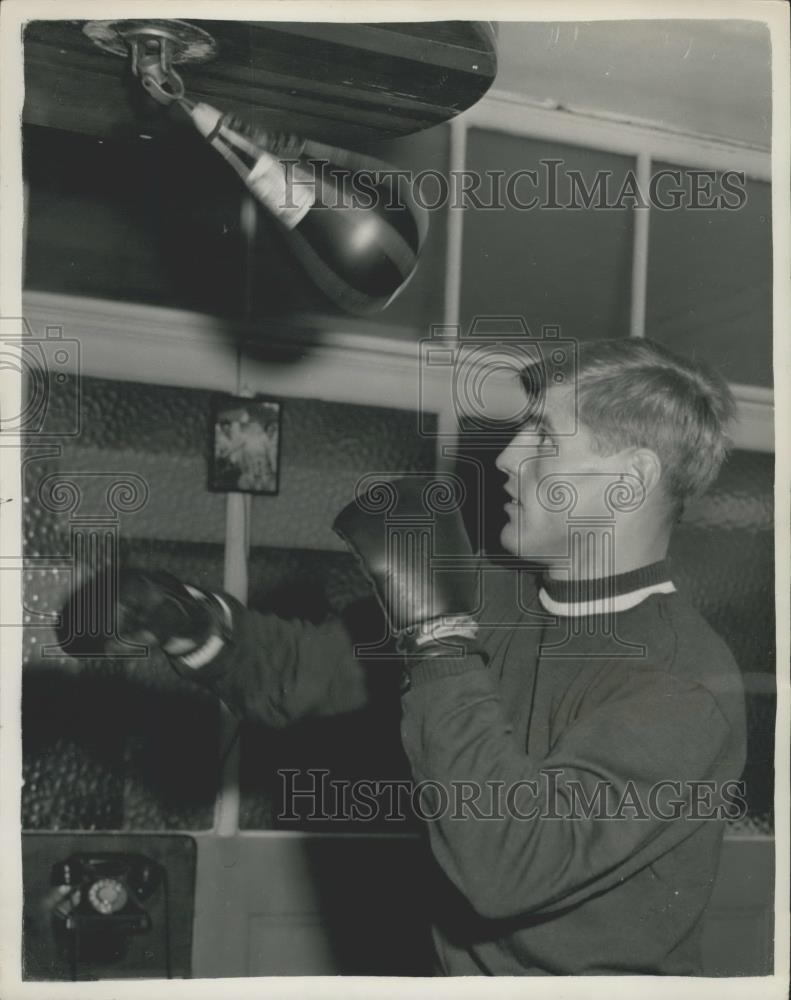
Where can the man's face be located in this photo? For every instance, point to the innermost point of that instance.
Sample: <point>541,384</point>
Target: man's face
<point>545,469</point>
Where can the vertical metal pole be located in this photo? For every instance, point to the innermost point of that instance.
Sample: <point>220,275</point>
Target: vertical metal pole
<point>235,578</point>
<point>457,156</point>
<point>640,249</point>
<point>237,514</point>
<point>447,419</point>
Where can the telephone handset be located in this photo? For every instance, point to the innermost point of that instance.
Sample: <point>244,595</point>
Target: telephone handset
<point>106,889</point>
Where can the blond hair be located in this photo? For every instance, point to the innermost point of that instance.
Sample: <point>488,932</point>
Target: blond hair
<point>636,393</point>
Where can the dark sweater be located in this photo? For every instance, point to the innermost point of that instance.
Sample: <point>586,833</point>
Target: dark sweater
<point>571,705</point>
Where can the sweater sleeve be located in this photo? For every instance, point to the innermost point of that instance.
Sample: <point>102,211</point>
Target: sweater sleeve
<point>280,671</point>
<point>537,851</point>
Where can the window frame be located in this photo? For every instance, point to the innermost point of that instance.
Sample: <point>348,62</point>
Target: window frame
<point>646,143</point>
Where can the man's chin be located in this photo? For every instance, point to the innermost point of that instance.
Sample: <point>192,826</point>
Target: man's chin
<point>508,538</point>
<point>512,542</point>
<point>517,543</point>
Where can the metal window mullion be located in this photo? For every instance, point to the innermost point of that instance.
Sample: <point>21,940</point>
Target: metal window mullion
<point>447,423</point>
<point>642,217</point>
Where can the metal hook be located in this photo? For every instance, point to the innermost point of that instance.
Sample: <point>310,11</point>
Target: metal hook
<point>165,89</point>
<point>155,70</point>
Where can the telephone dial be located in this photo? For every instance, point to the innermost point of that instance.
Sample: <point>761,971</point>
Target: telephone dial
<point>102,901</point>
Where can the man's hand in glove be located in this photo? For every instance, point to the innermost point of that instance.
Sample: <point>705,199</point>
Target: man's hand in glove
<point>157,609</point>
<point>410,538</point>
<point>105,616</point>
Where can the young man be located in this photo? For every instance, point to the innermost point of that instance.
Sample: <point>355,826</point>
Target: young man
<point>586,725</point>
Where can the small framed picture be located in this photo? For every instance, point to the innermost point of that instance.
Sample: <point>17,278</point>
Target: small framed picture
<point>245,445</point>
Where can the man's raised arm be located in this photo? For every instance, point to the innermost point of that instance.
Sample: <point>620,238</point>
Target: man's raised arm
<point>260,665</point>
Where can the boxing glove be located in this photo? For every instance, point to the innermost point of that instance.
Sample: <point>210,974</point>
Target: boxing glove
<point>409,537</point>
<point>110,613</point>
<point>162,610</point>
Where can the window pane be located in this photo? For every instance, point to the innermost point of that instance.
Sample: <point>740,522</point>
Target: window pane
<point>710,277</point>
<point>567,267</point>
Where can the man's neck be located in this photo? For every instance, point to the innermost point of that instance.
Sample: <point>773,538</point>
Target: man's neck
<point>623,558</point>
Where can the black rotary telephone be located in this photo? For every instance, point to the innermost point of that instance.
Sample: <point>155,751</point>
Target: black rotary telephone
<point>101,904</point>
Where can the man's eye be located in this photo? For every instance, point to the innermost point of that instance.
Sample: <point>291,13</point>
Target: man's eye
<point>540,436</point>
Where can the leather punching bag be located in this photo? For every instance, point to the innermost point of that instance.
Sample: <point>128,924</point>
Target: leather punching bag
<point>351,222</point>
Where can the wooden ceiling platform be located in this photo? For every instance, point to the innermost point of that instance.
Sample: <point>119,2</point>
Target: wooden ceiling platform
<point>344,84</point>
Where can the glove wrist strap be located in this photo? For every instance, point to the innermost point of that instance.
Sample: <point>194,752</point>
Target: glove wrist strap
<point>463,626</point>
<point>218,634</point>
<point>446,637</point>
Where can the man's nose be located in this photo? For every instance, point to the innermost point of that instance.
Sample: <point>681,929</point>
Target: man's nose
<point>505,461</point>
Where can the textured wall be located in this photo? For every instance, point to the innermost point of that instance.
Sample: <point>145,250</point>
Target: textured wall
<point>723,557</point>
<point>723,554</point>
<point>128,745</point>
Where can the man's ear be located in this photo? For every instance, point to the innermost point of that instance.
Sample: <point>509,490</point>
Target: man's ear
<point>645,465</point>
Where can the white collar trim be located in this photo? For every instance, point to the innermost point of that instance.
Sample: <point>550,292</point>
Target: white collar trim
<point>604,605</point>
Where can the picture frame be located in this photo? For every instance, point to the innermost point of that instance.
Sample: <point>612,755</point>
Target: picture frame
<point>244,446</point>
